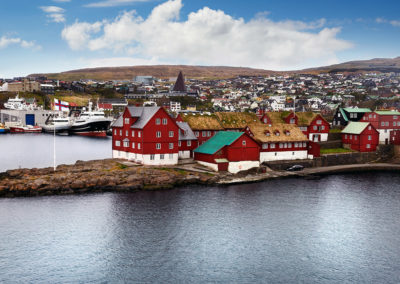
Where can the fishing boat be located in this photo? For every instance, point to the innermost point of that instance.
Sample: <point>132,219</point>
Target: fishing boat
<point>91,123</point>
<point>25,129</point>
<point>60,125</point>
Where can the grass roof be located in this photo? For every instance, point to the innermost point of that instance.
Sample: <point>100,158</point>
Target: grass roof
<point>277,117</point>
<point>237,119</point>
<point>260,133</point>
<point>305,118</point>
<point>202,122</point>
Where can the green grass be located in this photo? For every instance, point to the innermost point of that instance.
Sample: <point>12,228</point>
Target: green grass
<point>122,166</point>
<point>335,130</point>
<point>335,151</point>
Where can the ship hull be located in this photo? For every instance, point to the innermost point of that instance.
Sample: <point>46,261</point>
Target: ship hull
<point>96,128</point>
<point>25,130</point>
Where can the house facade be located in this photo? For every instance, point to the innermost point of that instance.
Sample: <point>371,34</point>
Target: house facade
<point>146,135</point>
<point>360,136</point>
<point>385,122</point>
<point>279,142</point>
<point>343,116</point>
<point>229,151</point>
<point>313,125</point>
<point>187,140</point>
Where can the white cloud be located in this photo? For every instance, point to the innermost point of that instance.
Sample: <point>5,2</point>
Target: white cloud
<point>55,14</point>
<point>112,3</point>
<point>380,20</point>
<point>209,37</point>
<point>7,41</point>
<point>61,1</point>
<point>395,23</point>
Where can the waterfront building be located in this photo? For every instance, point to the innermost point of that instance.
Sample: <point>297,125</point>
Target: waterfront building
<point>343,116</point>
<point>146,135</point>
<point>280,142</point>
<point>187,140</point>
<point>385,122</point>
<point>204,126</point>
<point>360,136</point>
<point>229,151</point>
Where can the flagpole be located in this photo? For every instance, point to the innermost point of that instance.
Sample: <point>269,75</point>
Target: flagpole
<point>54,139</point>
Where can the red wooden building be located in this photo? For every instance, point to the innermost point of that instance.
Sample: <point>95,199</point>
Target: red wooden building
<point>395,137</point>
<point>279,142</point>
<point>385,122</point>
<point>187,140</point>
<point>229,151</point>
<point>360,136</point>
<point>146,135</point>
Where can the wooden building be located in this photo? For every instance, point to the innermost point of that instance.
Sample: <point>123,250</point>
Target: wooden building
<point>229,151</point>
<point>385,122</point>
<point>360,136</point>
<point>343,116</point>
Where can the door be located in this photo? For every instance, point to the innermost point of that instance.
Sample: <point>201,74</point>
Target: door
<point>316,138</point>
<point>386,141</point>
<point>29,119</point>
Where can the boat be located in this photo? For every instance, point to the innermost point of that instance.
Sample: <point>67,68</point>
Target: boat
<point>25,129</point>
<point>91,123</point>
<point>60,125</point>
<point>18,103</point>
<point>4,129</point>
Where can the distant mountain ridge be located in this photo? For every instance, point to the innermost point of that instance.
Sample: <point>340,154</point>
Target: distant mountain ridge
<point>218,72</point>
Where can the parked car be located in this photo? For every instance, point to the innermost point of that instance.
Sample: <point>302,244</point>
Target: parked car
<point>295,168</point>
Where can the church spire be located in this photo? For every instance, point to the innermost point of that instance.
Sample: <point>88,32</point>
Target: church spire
<point>180,83</point>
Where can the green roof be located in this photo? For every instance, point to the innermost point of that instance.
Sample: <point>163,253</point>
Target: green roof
<point>355,127</point>
<point>387,112</point>
<point>343,114</point>
<point>218,141</point>
<point>349,109</point>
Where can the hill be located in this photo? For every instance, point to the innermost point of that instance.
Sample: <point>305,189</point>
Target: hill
<point>159,71</point>
<point>219,72</point>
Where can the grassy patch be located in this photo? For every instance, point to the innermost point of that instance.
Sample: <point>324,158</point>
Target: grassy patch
<point>335,130</point>
<point>122,166</point>
<point>335,150</point>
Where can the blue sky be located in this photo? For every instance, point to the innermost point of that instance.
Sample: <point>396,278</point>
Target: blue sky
<point>60,35</point>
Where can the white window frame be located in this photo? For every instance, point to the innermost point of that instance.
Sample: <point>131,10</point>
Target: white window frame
<point>158,121</point>
<point>171,134</point>
<point>171,146</point>
<point>189,143</point>
<point>152,157</point>
<point>133,145</point>
<point>133,133</point>
<point>164,121</point>
<point>158,146</point>
<point>117,143</point>
<point>126,120</point>
<point>158,134</point>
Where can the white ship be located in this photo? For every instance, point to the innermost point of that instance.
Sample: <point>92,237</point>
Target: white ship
<point>60,125</point>
<point>18,103</point>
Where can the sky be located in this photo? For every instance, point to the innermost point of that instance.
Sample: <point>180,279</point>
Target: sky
<point>44,36</point>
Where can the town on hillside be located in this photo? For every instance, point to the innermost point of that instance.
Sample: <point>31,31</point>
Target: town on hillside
<point>226,125</point>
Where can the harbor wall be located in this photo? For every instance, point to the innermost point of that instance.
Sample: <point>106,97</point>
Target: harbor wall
<point>40,116</point>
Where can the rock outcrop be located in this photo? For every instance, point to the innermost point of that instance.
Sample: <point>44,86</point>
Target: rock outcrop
<point>95,176</point>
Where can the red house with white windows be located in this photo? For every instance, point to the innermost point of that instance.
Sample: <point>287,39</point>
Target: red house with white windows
<point>146,135</point>
<point>385,122</point>
<point>229,151</point>
<point>360,136</point>
<point>187,140</point>
<point>280,142</point>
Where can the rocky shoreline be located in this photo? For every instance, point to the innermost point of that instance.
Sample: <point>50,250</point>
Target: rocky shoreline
<point>95,176</point>
<point>121,176</point>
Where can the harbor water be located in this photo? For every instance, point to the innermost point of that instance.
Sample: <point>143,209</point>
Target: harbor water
<point>339,229</point>
<point>36,150</point>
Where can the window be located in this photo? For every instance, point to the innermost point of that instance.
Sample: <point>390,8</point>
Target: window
<point>171,156</point>
<point>368,146</point>
<point>394,116</point>
<point>126,120</point>
<point>133,133</point>
<point>323,127</point>
<point>369,137</point>
<point>382,123</point>
<point>265,145</point>
<point>374,115</point>
<point>139,134</point>
<point>351,136</point>
<point>120,132</point>
<point>319,121</point>
<point>345,136</point>
<point>338,115</point>
<point>179,144</point>
<point>117,143</point>
<point>208,133</point>
<point>285,145</point>
<point>158,121</point>
<point>265,120</point>
<point>126,143</point>
<point>292,121</point>
<point>244,142</point>
<point>315,127</point>
<point>304,144</point>
<point>171,145</point>
<point>369,127</point>
<point>387,123</point>
<point>398,123</point>
<point>164,121</point>
<point>204,133</point>
<point>158,146</point>
<point>158,134</point>
<point>115,131</point>
<point>197,134</point>
<point>161,156</point>
<point>189,143</point>
<point>152,156</point>
<point>272,145</point>
<point>138,146</point>
<point>281,145</point>
<point>355,137</point>
<point>171,134</point>
<point>133,145</point>
<point>290,145</point>
<point>126,133</point>
<point>394,123</point>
